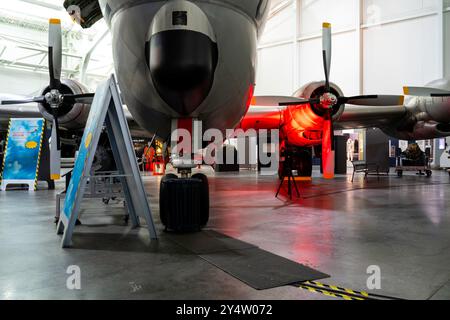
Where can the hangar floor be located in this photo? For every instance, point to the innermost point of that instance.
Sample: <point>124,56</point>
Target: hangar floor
<point>339,228</point>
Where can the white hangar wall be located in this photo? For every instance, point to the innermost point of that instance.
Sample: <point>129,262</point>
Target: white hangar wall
<point>275,57</point>
<point>378,45</point>
<point>21,82</point>
<point>447,38</point>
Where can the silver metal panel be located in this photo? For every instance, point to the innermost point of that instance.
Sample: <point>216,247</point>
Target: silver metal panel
<point>256,10</point>
<point>235,74</point>
<point>196,19</point>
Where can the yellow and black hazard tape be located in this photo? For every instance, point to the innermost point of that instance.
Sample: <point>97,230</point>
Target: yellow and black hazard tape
<point>36,179</point>
<point>5,150</point>
<point>363,294</point>
<point>332,294</point>
<point>340,292</point>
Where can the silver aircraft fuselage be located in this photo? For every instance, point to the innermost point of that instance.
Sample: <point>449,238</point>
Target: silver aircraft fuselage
<point>233,26</point>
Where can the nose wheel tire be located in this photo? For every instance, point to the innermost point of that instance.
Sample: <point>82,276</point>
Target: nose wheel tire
<point>184,203</point>
<point>205,197</point>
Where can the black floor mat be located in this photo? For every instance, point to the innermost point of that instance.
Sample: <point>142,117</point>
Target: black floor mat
<point>261,269</point>
<point>257,268</point>
<point>207,242</point>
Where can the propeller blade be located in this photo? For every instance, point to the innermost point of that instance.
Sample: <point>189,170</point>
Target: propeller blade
<point>86,98</point>
<point>326,51</point>
<point>374,100</point>
<point>424,91</point>
<point>440,95</point>
<point>55,153</point>
<point>271,101</point>
<point>31,100</point>
<point>327,148</point>
<point>56,128</point>
<point>299,102</point>
<point>55,53</point>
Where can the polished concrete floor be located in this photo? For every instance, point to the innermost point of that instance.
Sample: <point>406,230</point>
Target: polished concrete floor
<point>338,227</point>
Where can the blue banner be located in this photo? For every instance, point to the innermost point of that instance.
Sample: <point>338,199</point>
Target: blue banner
<point>21,160</point>
<point>83,164</point>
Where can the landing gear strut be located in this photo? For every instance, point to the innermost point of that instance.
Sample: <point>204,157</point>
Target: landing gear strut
<point>184,199</point>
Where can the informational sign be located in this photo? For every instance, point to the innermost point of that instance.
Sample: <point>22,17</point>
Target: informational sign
<point>106,111</point>
<point>22,152</point>
<point>392,149</point>
<point>86,153</point>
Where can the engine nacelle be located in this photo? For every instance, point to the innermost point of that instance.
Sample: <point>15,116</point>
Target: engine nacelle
<point>316,90</point>
<point>439,109</point>
<point>303,124</point>
<point>429,109</point>
<point>421,131</point>
<point>71,116</point>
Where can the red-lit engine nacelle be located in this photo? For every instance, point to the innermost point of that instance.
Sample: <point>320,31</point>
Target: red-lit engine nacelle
<point>303,124</point>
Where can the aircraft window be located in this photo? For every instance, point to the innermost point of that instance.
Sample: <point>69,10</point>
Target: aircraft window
<point>262,6</point>
<point>179,18</point>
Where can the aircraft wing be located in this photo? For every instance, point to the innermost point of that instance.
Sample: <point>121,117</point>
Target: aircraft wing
<point>302,126</point>
<point>262,118</point>
<point>30,110</point>
<point>360,117</point>
<point>353,117</point>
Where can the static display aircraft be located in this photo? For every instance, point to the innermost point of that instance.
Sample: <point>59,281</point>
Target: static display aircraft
<point>178,61</point>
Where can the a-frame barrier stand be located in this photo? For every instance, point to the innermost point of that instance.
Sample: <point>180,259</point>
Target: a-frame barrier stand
<point>106,110</point>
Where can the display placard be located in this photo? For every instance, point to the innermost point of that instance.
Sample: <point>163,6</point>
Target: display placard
<point>106,112</point>
<point>86,154</point>
<point>22,152</point>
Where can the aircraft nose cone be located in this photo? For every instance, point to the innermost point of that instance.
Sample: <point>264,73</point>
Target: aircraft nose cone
<point>182,55</point>
<point>182,65</point>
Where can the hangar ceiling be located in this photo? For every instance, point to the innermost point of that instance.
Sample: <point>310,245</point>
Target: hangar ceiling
<point>86,53</point>
<point>23,41</point>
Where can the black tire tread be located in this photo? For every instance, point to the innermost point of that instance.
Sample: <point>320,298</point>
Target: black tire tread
<point>205,198</point>
<point>182,203</point>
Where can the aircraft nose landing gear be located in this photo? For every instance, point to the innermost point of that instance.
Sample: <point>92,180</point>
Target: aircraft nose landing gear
<point>184,202</point>
<point>184,199</point>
